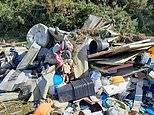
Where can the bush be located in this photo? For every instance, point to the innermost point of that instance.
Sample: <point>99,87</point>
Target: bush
<point>18,16</point>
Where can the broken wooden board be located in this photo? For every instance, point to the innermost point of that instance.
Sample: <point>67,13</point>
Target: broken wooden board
<point>106,63</point>
<point>98,54</point>
<point>130,48</point>
<point>98,68</point>
<point>115,69</point>
<point>111,39</point>
<point>29,57</point>
<point>5,85</point>
<point>135,71</point>
<point>116,60</point>
<point>124,71</point>
<point>121,49</point>
<point>141,49</point>
<point>113,33</point>
<point>141,42</point>
<point>92,22</point>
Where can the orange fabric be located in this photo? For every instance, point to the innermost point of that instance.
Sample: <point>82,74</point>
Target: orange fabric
<point>43,109</point>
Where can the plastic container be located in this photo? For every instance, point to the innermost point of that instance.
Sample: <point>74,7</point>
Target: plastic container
<point>90,84</point>
<point>98,45</point>
<point>65,93</point>
<point>83,87</point>
<point>38,33</point>
<point>96,78</point>
<point>76,90</point>
<point>57,80</point>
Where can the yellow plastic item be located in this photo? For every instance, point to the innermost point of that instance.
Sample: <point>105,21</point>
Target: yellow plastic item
<point>117,79</point>
<point>151,54</point>
<point>43,109</point>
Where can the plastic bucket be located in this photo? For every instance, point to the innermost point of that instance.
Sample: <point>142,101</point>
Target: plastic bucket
<point>57,80</point>
<point>98,45</point>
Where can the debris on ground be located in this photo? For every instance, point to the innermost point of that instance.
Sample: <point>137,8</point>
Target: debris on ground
<point>92,70</point>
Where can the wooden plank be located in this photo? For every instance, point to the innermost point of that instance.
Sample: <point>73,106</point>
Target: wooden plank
<point>95,55</point>
<point>129,48</point>
<point>134,46</point>
<point>140,42</point>
<point>136,71</point>
<point>118,60</point>
<point>92,22</point>
<point>99,69</point>
<point>107,63</point>
<point>115,69</point>
<point>118,50</point>
<point>111,39</point>
<point>141,49</point>
<point>113,33</point>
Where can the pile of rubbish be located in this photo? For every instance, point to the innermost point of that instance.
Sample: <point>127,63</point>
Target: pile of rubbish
<point>77,73</point>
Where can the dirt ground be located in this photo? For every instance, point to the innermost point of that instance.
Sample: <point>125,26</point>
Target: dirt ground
<point>14,108</point>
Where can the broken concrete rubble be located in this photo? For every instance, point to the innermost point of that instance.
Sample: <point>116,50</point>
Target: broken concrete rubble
<point>59,69</point>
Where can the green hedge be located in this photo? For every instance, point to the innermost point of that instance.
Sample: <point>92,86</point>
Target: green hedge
<point>18,16</point>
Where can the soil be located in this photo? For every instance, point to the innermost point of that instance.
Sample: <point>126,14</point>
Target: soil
<point>14,108</point>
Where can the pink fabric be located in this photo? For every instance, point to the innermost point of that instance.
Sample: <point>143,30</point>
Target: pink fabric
<point>58,59</point>
<point>61,49</point>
